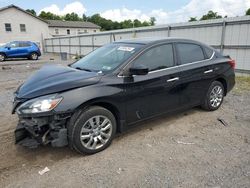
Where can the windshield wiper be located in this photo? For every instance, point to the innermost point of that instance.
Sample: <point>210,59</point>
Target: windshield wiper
<point>84,69</point>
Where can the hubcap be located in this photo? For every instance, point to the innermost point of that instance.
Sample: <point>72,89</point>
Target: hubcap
<point>34,56</point>
<point>216,96</point>
<point>1,57</point>
<point>96,132</point>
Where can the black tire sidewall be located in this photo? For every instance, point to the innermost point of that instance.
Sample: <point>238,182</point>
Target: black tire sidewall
<point>208,104</point>
<point>75,129</point>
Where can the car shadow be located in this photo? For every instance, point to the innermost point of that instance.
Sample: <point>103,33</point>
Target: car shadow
<point>57,154</point>
<point>16,59</point>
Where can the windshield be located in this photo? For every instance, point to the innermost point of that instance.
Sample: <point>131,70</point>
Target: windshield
<point>107,58</point>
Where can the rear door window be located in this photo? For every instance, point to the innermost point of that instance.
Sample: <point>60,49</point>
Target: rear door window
<point>24,44</point>
<point>156,58</point>
<point>189,53</point>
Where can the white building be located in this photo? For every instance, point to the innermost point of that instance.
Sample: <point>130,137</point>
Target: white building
<point>62,28</point>
<point>18,25</point>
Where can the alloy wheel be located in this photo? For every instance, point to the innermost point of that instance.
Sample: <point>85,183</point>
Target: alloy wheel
<point>95,132</point>
<point>216,96</point>
<point>34,56</point>
<point>2,57</point>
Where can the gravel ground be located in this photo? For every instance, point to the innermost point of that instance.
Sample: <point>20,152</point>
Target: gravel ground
<point>188,149</point>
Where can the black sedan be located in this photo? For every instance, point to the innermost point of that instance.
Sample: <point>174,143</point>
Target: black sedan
<point>86,103</point>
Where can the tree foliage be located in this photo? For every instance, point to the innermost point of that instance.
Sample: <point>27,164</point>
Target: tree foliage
<point>192,19</point>
<point>248,12</point>
<point>49,16</point>
<point>32,11</point>
<point>72,17</point>
<point>210,15</point>
<point>105,24</point>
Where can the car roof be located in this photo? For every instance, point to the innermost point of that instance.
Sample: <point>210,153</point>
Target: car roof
<point>155,40</point>
<point>21,41</point>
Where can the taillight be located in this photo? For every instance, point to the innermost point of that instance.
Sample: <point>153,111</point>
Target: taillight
<point>232,63</point>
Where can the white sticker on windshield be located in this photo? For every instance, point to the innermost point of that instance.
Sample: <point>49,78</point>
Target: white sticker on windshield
<point>126,48</point>
<point>106,68</point>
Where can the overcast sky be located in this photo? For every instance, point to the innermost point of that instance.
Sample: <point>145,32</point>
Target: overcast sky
<point>165,11</point>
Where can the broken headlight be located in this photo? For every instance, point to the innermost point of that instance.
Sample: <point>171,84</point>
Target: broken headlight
<point>40,104</point>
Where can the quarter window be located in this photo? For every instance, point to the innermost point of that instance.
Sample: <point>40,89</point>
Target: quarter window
<point>189,53</point>
<point>209,52</point>
<point>22,28</point>
<point>57,31</point>
<point>68,32</point>
<point>8,27</point>
<point>157,58</point>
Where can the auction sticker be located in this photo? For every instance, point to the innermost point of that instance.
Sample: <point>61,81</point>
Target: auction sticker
<point>126,48</point>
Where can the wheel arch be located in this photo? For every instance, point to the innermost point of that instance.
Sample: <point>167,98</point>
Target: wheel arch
<point>105,104</point>
<point>32,52</point>
<point>5,55</point>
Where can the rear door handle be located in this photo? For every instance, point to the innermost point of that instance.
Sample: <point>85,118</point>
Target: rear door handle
<point>208,71</point>
<point>173,79</point>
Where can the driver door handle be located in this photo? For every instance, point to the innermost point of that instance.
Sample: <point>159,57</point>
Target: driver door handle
<point>208,71</point>
<point>173,79</point>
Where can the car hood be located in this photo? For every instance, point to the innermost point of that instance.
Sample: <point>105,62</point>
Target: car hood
<point>55,78</point>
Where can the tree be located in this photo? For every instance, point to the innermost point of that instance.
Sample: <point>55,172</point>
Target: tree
<point>248,12</point>
<point>84,18</point>
<point>210,15</point>
<point>72,17</point>
<point>49,16</point>
<point>152,21</point>
<point>104,23</point>
<point>32,11</point>
<point>192,19</point>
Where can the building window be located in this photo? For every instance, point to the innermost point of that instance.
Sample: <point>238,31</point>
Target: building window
<point>22,28</point>
<point>94,31</point>
<point>57,31</point>
<point>8,27</point>
<point>68,32</point>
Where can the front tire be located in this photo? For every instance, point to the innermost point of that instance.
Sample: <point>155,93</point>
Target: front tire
<point>92,131</point>
<point>33,56</point>
<point>214,96</point>
<point>2,57</point>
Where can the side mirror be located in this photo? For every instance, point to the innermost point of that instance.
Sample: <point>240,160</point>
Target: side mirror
<point>138,70</point>
<point>8,47</point>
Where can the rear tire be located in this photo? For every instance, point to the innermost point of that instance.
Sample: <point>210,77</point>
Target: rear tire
<point>2,57</point>
<point>92,130</point>
<point>214,96</point>
<point>33,56</point>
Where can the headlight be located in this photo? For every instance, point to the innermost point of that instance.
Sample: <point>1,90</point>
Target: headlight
<point>41,104</point>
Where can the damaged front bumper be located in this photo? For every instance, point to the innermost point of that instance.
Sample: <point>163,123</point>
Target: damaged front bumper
<point>34,131</point>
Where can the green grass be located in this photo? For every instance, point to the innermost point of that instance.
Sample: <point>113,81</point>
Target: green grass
<point>242,84</point>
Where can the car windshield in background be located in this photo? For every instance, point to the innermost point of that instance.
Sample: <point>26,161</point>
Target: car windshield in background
<point>107,58</point>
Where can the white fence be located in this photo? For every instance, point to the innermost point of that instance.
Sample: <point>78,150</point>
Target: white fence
<point>230,35</point>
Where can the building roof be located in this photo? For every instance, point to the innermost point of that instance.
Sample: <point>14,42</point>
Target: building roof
<point>20,9</point>
<point>72,24</point>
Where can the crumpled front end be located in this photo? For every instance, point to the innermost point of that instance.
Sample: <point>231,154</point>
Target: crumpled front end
<point>34,131</point>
